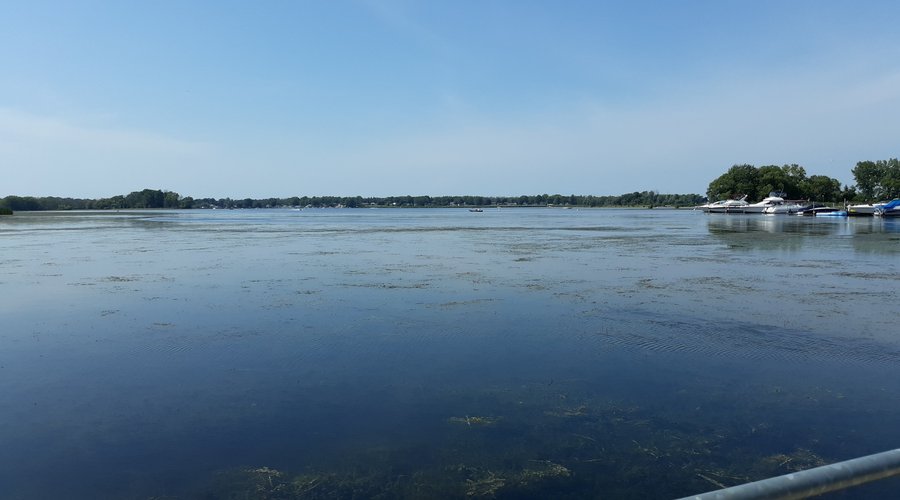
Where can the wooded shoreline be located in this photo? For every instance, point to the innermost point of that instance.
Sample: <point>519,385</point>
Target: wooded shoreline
<point>151,198</point>
<point>875,180</point>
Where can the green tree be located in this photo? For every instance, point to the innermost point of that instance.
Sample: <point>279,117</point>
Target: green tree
<point>878,180</point>
<point>890,181</point>
<point>849,193</point>
<point>22,203</point>
<point>787,179</point>
<point>147,198</point>
<point>171,199</point>
<point>868,176</point>
<point>738,181</point>
<point>822,188</point>
<point>770,178</point>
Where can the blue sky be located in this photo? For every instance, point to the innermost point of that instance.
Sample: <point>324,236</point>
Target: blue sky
<point>259,99</point>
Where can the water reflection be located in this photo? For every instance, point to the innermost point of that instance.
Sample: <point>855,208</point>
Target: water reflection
<point>867,234</point>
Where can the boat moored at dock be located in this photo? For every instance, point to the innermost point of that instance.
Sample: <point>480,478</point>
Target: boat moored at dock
<point>867,209</point>
<point>890,209</point>
<point>775,203</point>
<point>822,211</point>
<point>729,206</point>
<point>786,208</point>
<point>773,200</point>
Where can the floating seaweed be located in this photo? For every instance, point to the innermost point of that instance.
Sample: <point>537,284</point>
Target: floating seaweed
<point>586,448</point>
<point>475,421</point>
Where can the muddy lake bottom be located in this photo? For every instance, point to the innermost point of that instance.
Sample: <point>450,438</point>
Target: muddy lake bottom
<point>438,353</point>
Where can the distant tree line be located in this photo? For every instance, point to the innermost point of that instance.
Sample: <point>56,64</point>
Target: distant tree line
<point>876,180</point>
<point>150,198</point>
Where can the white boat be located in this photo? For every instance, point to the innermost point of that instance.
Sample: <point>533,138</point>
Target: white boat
<point>865,209</point>
<point>705,207</point>
<point>761,206</point>
<point>784,208</point>
<point>727,206</point>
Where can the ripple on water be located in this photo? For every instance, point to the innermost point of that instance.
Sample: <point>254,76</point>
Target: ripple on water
<point>742,340</point>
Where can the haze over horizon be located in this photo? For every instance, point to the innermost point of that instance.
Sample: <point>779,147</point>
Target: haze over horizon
<point>380,98</point>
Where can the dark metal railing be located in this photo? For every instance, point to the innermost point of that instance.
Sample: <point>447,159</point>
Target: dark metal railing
<point>815,481</point>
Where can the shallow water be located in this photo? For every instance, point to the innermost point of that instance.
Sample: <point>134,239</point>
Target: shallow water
<point>440,353</point>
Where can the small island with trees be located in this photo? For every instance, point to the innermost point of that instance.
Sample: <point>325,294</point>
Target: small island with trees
<point>875,180</point>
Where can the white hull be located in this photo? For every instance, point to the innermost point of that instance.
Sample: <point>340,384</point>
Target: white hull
<point>787,208</point>
<point>868,209</point>
<point>770,204</point>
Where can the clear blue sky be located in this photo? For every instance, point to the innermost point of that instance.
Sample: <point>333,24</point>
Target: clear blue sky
<point>271,98</point>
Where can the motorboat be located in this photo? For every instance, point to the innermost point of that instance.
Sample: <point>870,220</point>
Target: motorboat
<point>865,209</point>
<point>705,207</point>
<point>728,206</point>
<point>832,213</point>
<point>822,211</point>
<point>786,208</point>
<point>476,210</point>
<point>890,209</point>
<point>761,206</point>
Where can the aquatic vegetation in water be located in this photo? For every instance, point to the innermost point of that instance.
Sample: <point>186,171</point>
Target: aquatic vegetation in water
<point>799,459</point>
<point>265,483</point>
<point>460,481</point>
<point>260,483</point>
<point>578,411</point>
<point>583,448</point>
<point>486,485</point>
<point>474,421</point>
<point>545,470</point>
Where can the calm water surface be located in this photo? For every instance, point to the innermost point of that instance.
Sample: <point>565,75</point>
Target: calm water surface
<point>521,353</point>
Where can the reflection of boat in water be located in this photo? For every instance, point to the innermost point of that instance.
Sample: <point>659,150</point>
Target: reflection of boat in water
<point>890,209</point>
<point>768,233</point>
<point>748,232</point>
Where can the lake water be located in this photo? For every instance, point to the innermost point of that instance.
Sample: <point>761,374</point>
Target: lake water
<point>438,353</point>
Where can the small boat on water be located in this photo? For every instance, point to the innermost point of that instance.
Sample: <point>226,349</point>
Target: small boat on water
<point>890,209</point>
<point>786,208</point>
<point>865,209</point>
<point>476,210</point>
<point>726,206</point>
<point>822,211</point>
<point>760,206</point>
<point>775,199</point>
<point>705,207</point>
